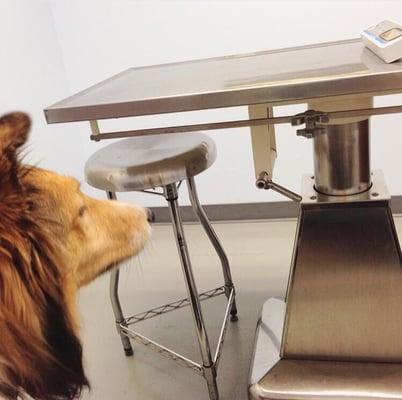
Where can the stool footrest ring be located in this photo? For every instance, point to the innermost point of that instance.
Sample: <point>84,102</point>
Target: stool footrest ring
<point>166,352</point>
<point>154,312</point>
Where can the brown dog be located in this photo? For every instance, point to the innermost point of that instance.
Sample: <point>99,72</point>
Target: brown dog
<point>53,239</point>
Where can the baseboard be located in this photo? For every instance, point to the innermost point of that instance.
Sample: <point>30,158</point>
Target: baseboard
<point>248,211</point>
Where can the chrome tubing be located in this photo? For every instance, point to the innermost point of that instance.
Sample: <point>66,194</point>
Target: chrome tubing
<point>114,298</point>
<point>342,159</point>
<point>209,370</point>
<point>203,218</point>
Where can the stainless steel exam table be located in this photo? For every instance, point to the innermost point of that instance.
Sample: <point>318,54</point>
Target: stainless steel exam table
<point>338,334</point>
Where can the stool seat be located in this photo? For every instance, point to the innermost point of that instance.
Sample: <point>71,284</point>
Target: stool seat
<point>146,162</point>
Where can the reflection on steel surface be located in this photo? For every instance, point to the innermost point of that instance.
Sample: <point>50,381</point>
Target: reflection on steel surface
<point>280,76</point>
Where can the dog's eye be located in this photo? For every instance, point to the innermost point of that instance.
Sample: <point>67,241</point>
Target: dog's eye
<point>82,210</point>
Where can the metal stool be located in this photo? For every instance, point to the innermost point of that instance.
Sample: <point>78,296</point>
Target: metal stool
<point>144,163</point>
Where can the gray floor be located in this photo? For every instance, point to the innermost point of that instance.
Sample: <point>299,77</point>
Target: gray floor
<point>260,254</point>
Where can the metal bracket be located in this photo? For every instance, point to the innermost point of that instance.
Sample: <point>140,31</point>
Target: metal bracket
<point>310,118</point>
<point>263,140</point>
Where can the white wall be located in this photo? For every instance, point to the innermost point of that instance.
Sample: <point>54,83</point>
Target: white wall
<point>101,38</point>
<point>32,75</point>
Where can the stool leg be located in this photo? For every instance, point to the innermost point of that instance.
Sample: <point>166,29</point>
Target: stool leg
<point>202,216</point>
<point>171,196</point>
<point>114,298</point>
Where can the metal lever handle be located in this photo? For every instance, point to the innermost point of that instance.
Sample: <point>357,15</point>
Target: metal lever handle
<point>263,182</point>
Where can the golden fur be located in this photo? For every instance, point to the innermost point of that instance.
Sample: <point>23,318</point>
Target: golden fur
<point>53,239</point>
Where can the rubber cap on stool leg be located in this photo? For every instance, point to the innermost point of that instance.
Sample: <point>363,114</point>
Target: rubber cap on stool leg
<point>129,352</point>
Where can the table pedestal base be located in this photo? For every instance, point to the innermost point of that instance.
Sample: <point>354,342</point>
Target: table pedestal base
<point>286,379</point>
<point>339,333</point>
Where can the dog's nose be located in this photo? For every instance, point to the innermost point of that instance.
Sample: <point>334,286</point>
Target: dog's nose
<point>150,215</point>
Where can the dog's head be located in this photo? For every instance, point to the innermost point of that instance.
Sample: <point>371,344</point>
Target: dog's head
<point>53,239</point>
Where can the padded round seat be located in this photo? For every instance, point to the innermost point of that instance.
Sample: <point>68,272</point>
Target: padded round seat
<point>146,162</point>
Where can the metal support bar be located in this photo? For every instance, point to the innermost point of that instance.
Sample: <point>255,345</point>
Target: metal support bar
<point>125,330</point>
<point>203,341</point>
<point>164,351</point>
<point>202,216</point>
<point>114,298</point>
<point>154,312</point>
<point>283,191</point>
<point>222,334</point>
<point>263,182</point>
<point>95,130</point>
<point>263,140</point>
<point>366,112</point>
<point>152,192</point>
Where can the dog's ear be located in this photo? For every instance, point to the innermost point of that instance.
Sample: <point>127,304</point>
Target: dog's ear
<point>14,130</point>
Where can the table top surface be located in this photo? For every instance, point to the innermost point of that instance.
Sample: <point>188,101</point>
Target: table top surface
<point>280,76</point>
